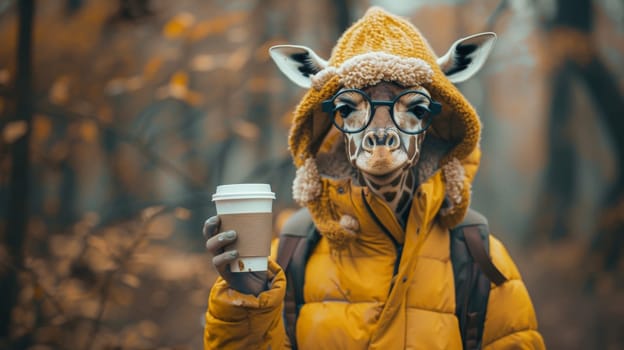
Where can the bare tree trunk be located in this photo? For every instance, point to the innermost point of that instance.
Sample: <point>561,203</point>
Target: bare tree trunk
<point>582,61</point>
<point>609,101</point>
<point>607,248</point>
<point>552,215</point>
<point>557,193</point>
<point>17,217</point>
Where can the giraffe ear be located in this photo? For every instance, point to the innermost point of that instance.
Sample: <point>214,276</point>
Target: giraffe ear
<point>466,56</point>
<point>298,63</point>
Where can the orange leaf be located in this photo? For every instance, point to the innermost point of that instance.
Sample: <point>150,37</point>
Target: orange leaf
<point>134,83</point>
<point>180,79</point>
<point>152,66</point>
<point>148,329</point>
<point>246,130</point>
<point>161,227</point>
<point>88,131</point>
<point>88,308</point>
<point>42,127</point>
<point>105,114</point>
<point>99,243</point>
<point>216,26</point>
<point>238,35</point>
<point>238,58</point>
<point>193,98</point>
<point>178,85</point>
<point>59,92</point>
<point>131,280</point>
<point>204,62</point>
<point>258,84</point>
<point>38,292</point>
<point>62,246</point>
<point>182,213</point>
<point>5,76</point>
<point>100,262</point>
<point>178,25</point>
<point>14,130</point>
<point>115,86</point>
<point>150,212</point>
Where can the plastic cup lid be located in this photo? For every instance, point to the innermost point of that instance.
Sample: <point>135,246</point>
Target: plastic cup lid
<point>243,191</point>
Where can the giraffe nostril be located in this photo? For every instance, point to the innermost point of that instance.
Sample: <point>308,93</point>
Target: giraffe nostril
<point>392,141</point>
<point>387,138</point>
<point>369,142</point>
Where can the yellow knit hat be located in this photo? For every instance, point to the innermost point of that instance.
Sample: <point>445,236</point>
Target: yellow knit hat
<point>381,47</point>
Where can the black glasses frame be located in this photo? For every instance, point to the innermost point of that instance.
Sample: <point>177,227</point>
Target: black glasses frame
<point>433,109</point>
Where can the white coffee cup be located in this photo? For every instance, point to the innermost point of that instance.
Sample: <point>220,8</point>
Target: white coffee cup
<point>247,209</point>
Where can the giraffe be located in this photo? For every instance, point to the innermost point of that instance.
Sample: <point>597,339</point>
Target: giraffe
<point>383,118</point>
<point>384,126</point>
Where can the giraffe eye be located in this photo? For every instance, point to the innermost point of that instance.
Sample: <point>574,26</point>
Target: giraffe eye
<point>419,111</point>
<point>344,110</point>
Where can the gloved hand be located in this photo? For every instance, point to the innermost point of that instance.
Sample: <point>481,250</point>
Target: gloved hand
<point>216,244</point>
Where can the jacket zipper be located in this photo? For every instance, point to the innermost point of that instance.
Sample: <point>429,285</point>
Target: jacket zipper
<point>397,246</point>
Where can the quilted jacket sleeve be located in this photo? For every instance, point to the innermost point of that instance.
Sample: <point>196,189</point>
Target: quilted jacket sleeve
<point>510,321</point>
<point>242,321</point>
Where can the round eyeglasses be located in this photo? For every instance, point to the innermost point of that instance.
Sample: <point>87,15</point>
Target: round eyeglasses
<point>352,110</point>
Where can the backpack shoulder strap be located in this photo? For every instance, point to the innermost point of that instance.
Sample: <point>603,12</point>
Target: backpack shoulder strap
<point>473,270</point>
<point>476,233</point>
<point>297,239</point>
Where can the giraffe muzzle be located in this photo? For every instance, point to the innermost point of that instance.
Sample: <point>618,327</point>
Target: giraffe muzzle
<point>381,137</point>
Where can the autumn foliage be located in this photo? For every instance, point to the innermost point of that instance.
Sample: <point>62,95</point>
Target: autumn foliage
<point>137,109</point>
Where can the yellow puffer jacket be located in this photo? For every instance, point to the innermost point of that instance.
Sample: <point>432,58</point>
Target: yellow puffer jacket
<point>353,299</point>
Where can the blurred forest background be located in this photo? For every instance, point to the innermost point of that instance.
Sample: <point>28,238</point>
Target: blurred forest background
<point>119,118</point>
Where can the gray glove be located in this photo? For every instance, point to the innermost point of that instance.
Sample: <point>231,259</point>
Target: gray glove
<point>216,244</point>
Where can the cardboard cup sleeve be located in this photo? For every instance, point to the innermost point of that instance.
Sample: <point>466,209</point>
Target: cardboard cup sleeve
<point>254,232</point>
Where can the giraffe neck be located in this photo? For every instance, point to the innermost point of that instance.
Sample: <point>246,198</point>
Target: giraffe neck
<point>397,191</point>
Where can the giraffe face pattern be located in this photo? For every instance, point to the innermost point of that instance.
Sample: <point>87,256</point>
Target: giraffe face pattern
<point>383,154</point>
<point>381,150</point>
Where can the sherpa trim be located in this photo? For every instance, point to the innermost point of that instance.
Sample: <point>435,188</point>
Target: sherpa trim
<point>319,79</point>
<point>372,68</point>
<point>307,185</point>
<point>454,175</point>
<point>350,223</point>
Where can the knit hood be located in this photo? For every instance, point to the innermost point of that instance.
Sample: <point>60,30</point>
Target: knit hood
<point>382,47</point>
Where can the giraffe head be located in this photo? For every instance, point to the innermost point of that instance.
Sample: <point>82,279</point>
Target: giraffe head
<point>381,77</point>
<point>383,126</point>
<point>382,106</point>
